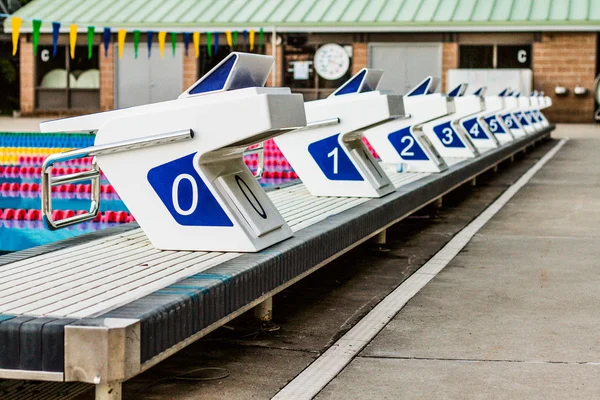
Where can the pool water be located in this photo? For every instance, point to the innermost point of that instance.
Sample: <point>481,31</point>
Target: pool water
<point>21,158</point>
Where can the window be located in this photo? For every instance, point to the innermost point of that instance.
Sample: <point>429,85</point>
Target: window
<point>495,56</point>
<point>514,56</point>
<point>476,56</point>
<point>299,73</point>
<point>63,83</point>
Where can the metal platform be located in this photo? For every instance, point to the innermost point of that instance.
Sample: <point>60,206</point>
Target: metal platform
<point>106,306</point>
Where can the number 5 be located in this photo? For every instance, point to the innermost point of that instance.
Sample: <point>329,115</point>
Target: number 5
<point>493,125</point>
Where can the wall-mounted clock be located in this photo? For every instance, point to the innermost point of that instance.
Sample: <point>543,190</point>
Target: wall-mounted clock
<point>331,61</point>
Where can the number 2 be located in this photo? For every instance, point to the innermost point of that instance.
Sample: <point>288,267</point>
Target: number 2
<point>447,139</point>
<point>411,142</point>
<point>334,153</point>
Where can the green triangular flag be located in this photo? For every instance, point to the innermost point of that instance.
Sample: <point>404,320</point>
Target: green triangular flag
<point>261,37</point>
<point>136,42</point>
<point>90,35</point>
<point>209,43</point>
<point>235,35</point>
<point>36,34</point>
<point>173,42</point>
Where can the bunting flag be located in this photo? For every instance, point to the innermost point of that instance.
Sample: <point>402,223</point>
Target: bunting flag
<point>55,32</point>
<point>173,42</point>
<point>106,40</point>
<point>209,44</point>
<point>251,39</point>
<point>16,27</point>
<point>72,39</point>
<point>212,39</point>
<point>35,37</point>
<point>186,42</point>
<point>121,34</point>
<point>197,44</point>
<point>90,39</point>
<point>150,36</point>
<point>136,42</point>
<point>162,37</point>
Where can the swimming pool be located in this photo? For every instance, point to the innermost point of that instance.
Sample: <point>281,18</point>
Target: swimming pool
<point>21,159</point>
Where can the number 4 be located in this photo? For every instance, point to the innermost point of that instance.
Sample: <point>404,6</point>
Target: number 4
<point>474,129</point>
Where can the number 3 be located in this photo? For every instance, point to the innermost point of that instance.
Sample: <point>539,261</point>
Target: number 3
<point>448,138</point>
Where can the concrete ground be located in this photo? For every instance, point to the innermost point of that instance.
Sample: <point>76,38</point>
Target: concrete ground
<point>512,316</point>
<point>515,314</point>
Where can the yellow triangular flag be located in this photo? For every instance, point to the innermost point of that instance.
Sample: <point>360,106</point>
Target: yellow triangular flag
<point>121,40</point>
<point>73,39</point>
<point>197,43</point>
<point>16,27</point>
<point>162,37</point>
<point>229,38</point>
<point>251,39</point>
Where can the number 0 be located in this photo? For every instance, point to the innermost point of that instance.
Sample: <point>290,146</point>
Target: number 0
<point>175,194</point>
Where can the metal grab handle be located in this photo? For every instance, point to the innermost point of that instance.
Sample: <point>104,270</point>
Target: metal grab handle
<point>93,174</point>
<point>260,149</point>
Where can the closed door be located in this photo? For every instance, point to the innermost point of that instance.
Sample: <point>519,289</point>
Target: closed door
<point>145,80</point>
<point>405,64</point>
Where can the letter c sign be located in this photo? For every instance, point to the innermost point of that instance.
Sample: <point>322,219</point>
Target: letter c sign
<point>522,56</point>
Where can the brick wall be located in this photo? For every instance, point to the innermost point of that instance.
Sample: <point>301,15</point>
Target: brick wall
<point>27,76</point>
<point>107,79</point>
<point>360,57</point>
<point>278,63</point>
<point>566,59</point>
<point>190,69</point>
<point>449,61</point>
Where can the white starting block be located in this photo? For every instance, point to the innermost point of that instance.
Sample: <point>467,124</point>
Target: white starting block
<point>449,139</point>
<point>523,114</point>
<point>481,136</point>
<point>333,160</point>
<point>532,112</point>
<point>402,141</point>
<point>194,194</point>
<point>509,116</point>
<point>494,106</point>
<point>537,104</point>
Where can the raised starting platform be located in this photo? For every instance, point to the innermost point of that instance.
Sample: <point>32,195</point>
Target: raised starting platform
<point>103,307</point>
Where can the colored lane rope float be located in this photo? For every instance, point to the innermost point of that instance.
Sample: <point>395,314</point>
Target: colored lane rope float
<point>23,154</point>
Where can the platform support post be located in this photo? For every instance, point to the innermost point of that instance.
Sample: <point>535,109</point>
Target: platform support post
<point>109,391</point>
<point>264,311</point>
<point>474,181</point>
<point>512,158</point>
<point>496,168</point>
<point>439,202</point>
<point>381,238</point>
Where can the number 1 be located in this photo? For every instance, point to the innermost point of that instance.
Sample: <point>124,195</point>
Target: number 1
<point>334,154</point>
